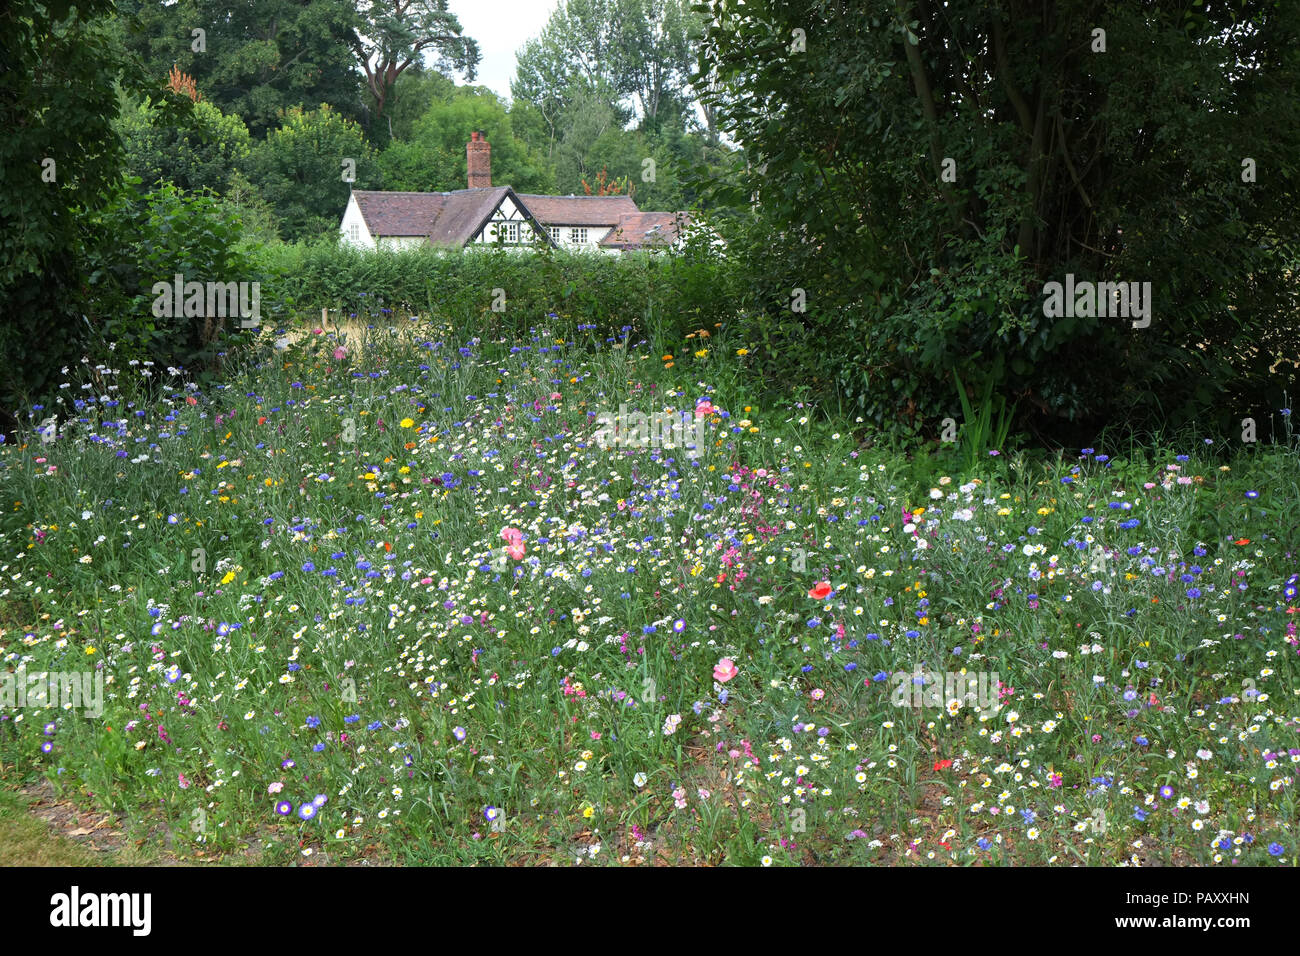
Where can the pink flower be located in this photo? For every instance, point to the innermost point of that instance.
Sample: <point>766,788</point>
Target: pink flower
<point>185,784</point>
<point>820,590</point>
<point>511,534</point>
<point>340,354</point>
<point>515,549</point>
<point>725,670</point>
<point>702,409</point>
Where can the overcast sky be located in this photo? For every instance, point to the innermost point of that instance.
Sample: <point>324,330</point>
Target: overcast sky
<point>501,27</point>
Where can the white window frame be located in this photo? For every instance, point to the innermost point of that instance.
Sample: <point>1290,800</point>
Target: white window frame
<point>354,232</point>
<point>578,234</point>
<point>554,233</point>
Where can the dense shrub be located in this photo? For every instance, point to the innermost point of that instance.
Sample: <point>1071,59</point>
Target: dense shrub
<point>924,170</point>
<point>656,293</point>
<point>147,238</point>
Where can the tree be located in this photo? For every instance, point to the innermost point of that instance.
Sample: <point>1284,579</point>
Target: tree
<point>60,160</point>
<point>936,164</point>
<point>395,35</point>
<point>253,58</point>
<point>414,92</point>
<point>638,53</point>
<point>300,169</point>
<point>197,147</point>
<point>434,157</point>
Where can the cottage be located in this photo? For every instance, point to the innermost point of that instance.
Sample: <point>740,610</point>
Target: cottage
<point>484,214</point>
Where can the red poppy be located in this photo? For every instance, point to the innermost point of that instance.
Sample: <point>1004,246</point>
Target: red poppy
<point>820,590</point>
<point>942,764</point>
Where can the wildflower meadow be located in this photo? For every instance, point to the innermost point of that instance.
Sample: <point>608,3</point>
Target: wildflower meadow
<point>404,592</point>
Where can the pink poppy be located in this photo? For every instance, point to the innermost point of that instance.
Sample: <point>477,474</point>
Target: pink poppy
<point>725,670</point>
<point>702,409</point>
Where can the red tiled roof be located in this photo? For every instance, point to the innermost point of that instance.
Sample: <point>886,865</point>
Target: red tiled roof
<point>445,219</point>
<point>463,213</point>
<point>579,210</point>
<point>646,229</point>
<point>399,214</point>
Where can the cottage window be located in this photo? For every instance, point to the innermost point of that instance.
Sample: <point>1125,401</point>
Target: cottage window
<point>578,235</point>
<point>554,233</point>
<point>509,231</point>
<point>354,232</point>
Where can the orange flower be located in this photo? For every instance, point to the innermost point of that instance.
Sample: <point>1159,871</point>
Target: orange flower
<point>820,590</point>
<point>1242,541</point>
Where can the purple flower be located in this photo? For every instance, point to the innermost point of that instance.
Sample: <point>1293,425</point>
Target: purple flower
<point>284,808</point>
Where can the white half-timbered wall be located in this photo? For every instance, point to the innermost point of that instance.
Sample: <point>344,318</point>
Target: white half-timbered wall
<point>508,220</point>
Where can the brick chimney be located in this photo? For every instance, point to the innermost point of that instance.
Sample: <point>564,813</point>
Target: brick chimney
<point>479,156</point>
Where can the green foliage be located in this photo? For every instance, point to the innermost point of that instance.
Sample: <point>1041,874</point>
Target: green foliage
<point>680,292</point>
<point>299,169</point>
<point>390,37</point>
<point>59,160</point>
<point>984,428</point>
<point>434,159</point>
<point>1056,168</point>
<point>149,238</point>
<point>196,147</point>
<point>259,59</point>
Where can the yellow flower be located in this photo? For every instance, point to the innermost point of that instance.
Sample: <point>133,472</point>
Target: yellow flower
<point>588,811</point>
<point>701,353</point>
<point>742,352</point>
<point>406,423</point>
<point>90,650</point>
<point>230,576</point>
